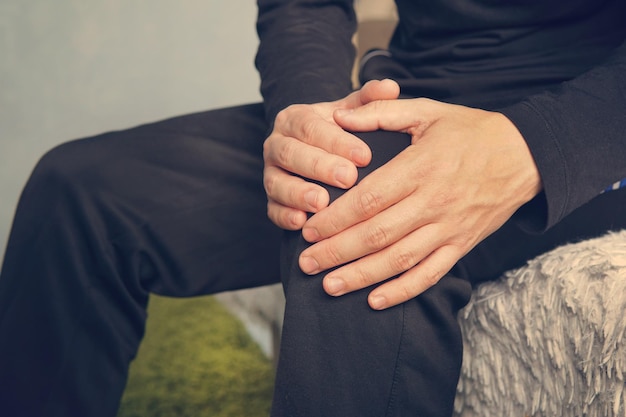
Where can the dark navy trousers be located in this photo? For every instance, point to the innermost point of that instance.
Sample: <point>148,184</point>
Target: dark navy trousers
<point>178,208</point>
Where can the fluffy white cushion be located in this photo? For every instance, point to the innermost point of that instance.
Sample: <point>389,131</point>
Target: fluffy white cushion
<point>548,339</point>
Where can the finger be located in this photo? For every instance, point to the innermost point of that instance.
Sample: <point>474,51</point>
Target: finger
<point>375,193</point>
<point>389,262</point>
<point>309,127</point>
<point>415,281</point>
<point>386,89</point>
<point>285,217</point>
<point>410,116</point>
<point>367,237</point>
<point>310,162</point>
<point>372,90</point>
<point>289,190</point>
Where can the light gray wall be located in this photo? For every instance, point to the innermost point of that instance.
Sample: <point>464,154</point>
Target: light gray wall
<point>71,68</point>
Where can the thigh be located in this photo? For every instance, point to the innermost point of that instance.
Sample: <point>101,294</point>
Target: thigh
<point>209,215</point>
<point>179,203</point>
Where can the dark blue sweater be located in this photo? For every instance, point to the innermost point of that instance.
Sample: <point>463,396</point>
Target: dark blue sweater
<point>557,69</point>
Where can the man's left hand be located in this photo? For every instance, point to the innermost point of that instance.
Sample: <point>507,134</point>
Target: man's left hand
<point>465,173</point>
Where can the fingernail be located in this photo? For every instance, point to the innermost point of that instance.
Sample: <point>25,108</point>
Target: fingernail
<point>358,155</point>
<point>341,175</point>
<point>334,285</point>
<point>309,265</point>
<point>343,112</point>
<point>310,234</point>
<point>378,302</point>
<point>311,199</point>
<point>297,219</point>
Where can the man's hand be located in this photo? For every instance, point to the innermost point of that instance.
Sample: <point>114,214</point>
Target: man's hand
<point>307,141</point>
<point>465,173</point>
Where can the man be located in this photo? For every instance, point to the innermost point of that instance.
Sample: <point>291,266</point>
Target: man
<point>513,130</point>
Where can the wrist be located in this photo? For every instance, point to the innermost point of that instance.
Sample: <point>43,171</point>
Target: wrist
<point>528,182</point>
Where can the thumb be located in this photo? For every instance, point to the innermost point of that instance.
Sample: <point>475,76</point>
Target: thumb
<point>379,90</point>
<point>392,115</point>
<point>372,90</point>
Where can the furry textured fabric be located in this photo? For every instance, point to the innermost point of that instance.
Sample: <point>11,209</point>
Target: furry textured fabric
<point>549,339</point>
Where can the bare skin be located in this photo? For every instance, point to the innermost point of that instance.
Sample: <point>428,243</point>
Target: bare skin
<point>306,140</point>
<point>464,175</point>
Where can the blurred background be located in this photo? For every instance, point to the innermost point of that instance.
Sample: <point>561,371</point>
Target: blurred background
<point>72,68</point>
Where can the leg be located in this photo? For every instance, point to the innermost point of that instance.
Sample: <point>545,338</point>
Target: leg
<point>340,358</point>
<point>177,208</point>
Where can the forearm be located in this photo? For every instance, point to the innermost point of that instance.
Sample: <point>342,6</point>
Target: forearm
<point>305,53</point>
<point>576,135</point>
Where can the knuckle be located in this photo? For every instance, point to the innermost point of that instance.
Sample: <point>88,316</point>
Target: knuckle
<point>293,196</point>
<point>368,203</point>
<point>268,183</point>
<point>464,240</point>
<point>332,255</point>
<point>408,292</point>
<point>280,215</point>
<point>431,277</point>
<point>316,167</point>
<point>269,149</point>
<point>403,261</point>
<point>376,237</point>
<point>310,128</point>
<point>267,146</point>
<point>363,277</point>
<point>376,106</point>
<point>281,120</point>
<point>382,105</point>
<point>337,144</point>
<point>283,116</point>
<point>333,223</point>
<point>286,153</point>
<point>285,220</point>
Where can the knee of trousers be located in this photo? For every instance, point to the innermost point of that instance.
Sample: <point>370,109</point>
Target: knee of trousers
<point>91,164</point>
<point>67,171</point>
<point>384,146</point>
<point>99,181</point>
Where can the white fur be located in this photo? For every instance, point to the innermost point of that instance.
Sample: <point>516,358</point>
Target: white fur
<point>548,339</point>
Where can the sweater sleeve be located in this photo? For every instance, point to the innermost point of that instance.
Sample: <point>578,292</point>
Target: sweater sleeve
<point>577,136</point>
<point>305,52</point>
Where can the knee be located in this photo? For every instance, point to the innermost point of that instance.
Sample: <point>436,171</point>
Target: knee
<point>384,146</point>
<point>66,169</point>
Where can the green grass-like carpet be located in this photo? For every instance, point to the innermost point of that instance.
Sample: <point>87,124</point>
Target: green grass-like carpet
<point>197,360</point>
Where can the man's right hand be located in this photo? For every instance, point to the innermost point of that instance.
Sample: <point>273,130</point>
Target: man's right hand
<point>306,141</point>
